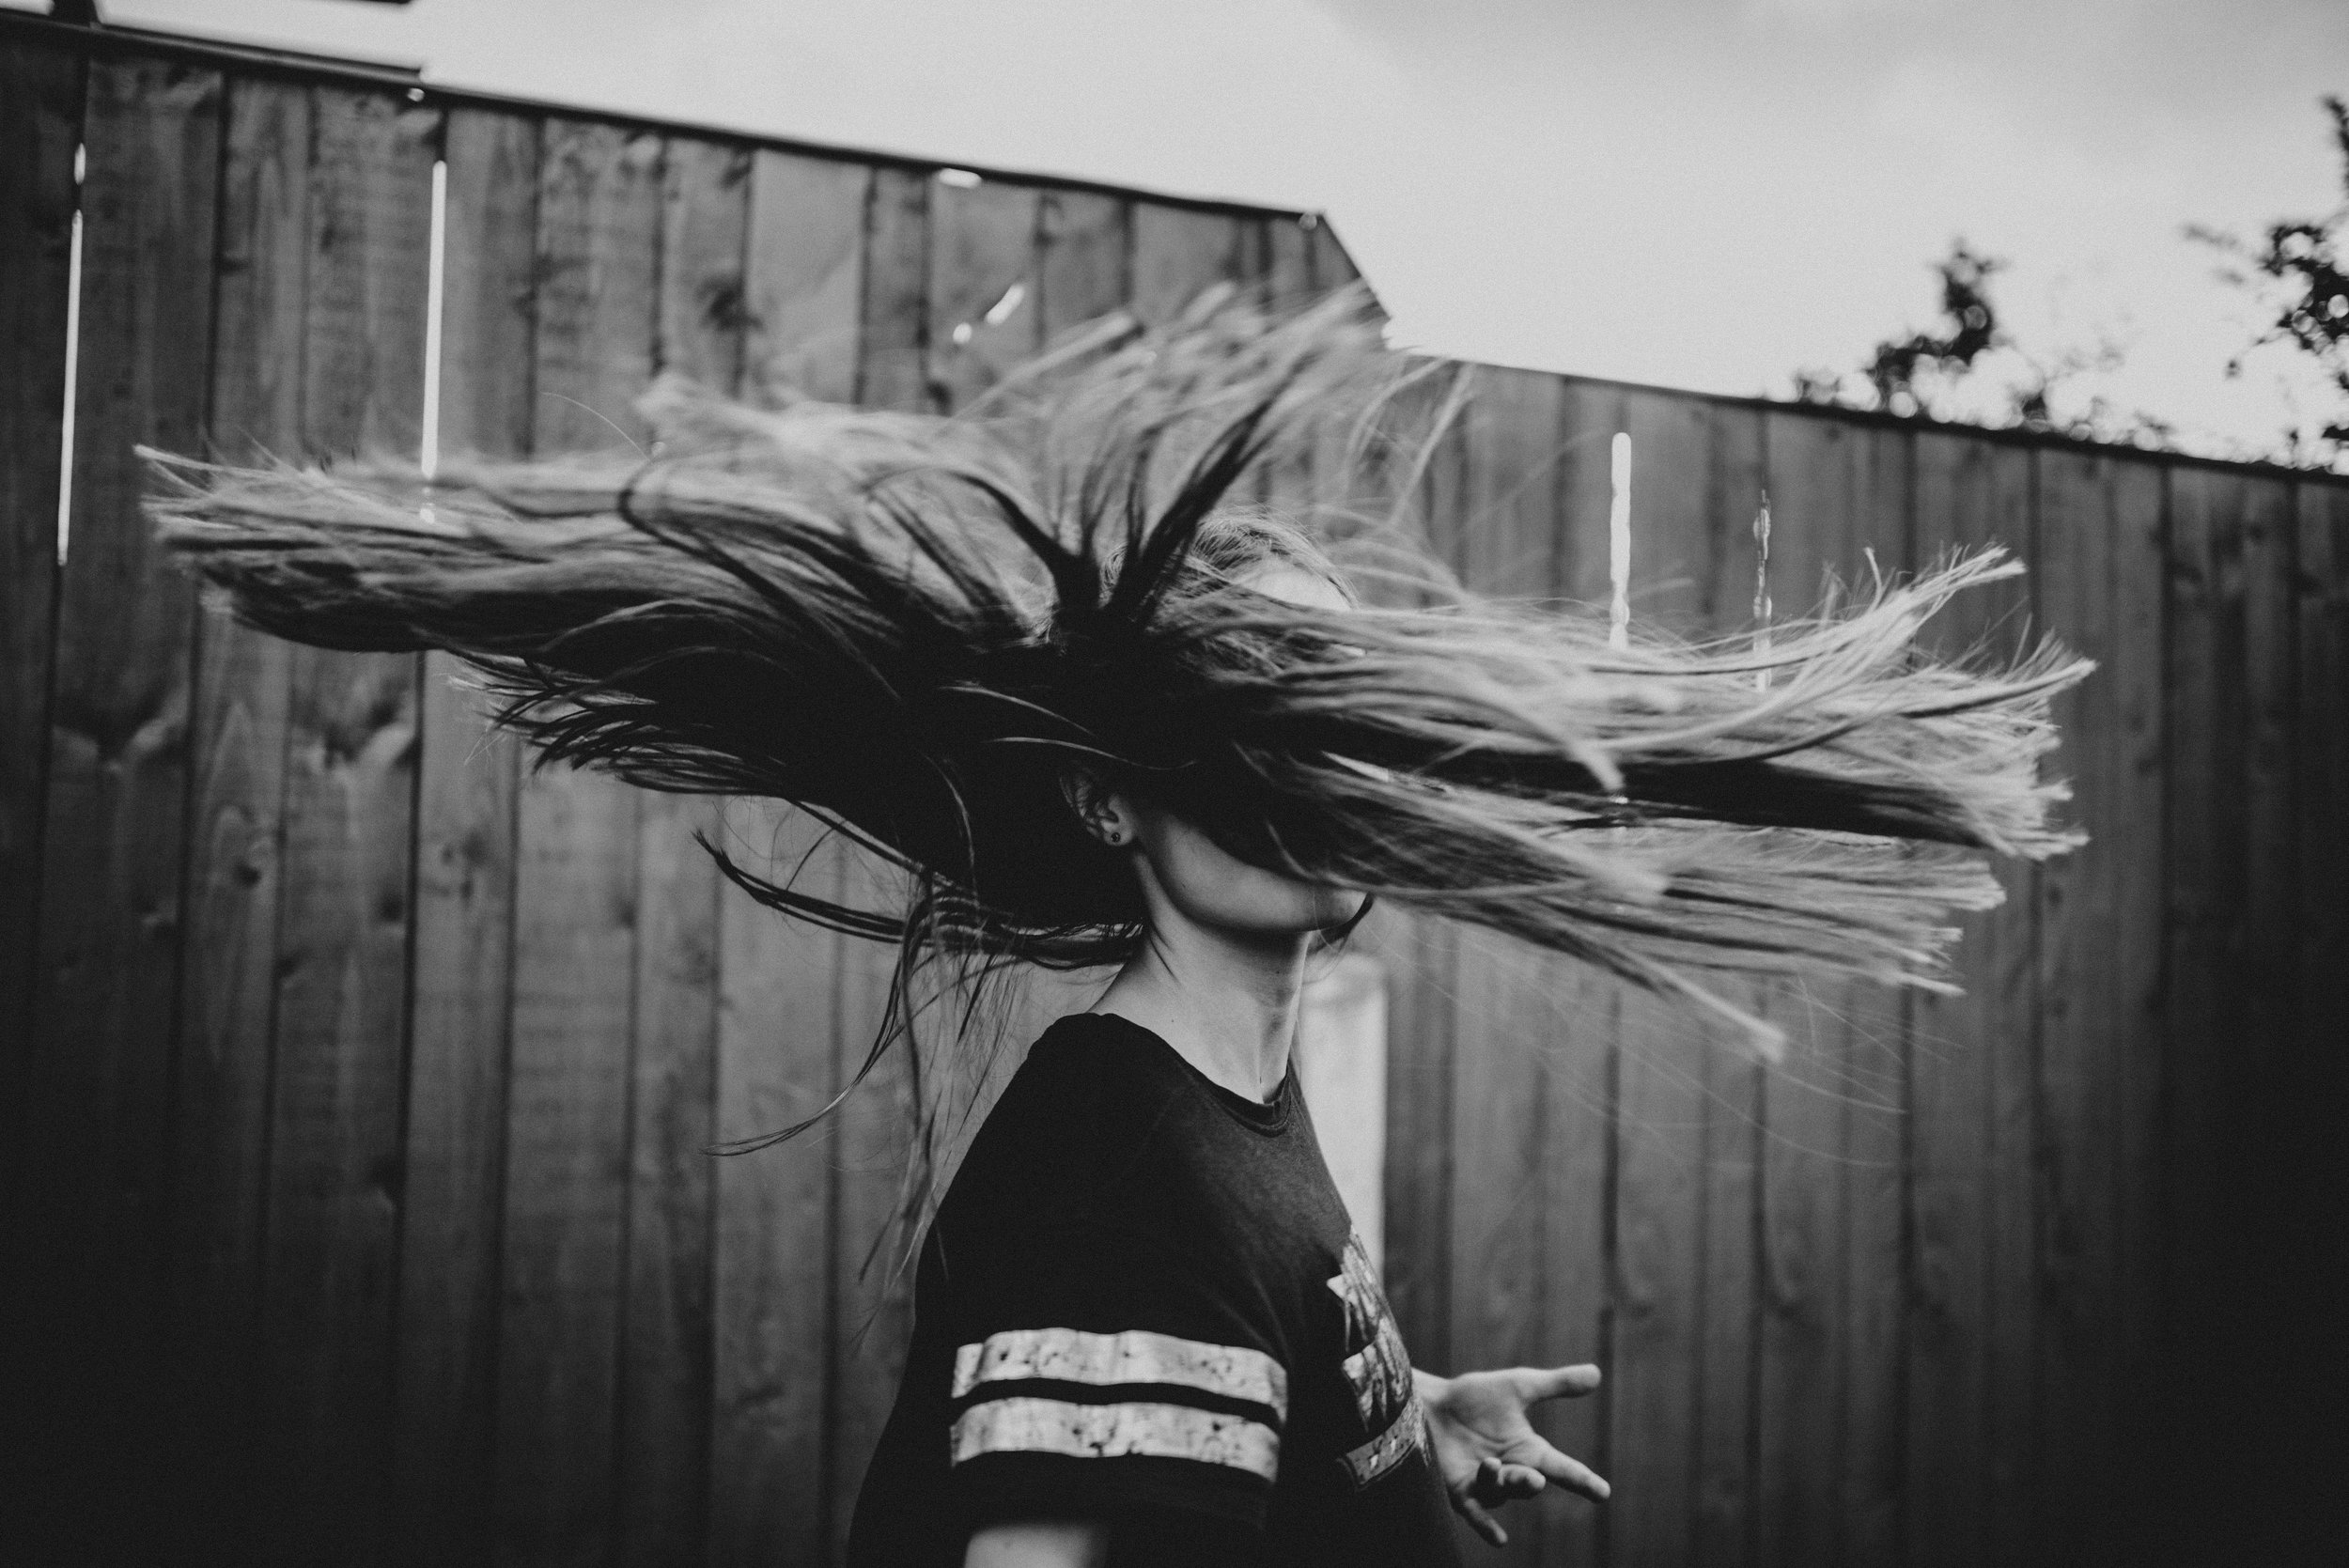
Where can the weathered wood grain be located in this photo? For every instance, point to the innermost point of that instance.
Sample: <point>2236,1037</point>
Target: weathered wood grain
<point>567,1159</point>
<point>770,1472</point>
<point>1580,1089</point>
<point>1655,1349</point>
<point>238,751</point>
<point>1722,1532</point>
<point>1837,493</point>
<point>1083,260</point>
<point>1178,253</point>
<point>453,1200</point>
<point>2130,819</point>
<point>805,275</point>
<point>665,1338</point>
<point>982,282</point>
<point>1875,1107</point>
<point>893,320</point>
<point>40,126</point>
<point>347,838</point>
<point>872,1269</point>
<point>872,1295</point>
<point>1972,1068</point>
<point>2081,1015</point>
<point>96,1069</point>
<point>706,209</point>
<point>1529,1266</point>
<point>2207,862</point>
<point>769,1482</point>
<point>665,1354</point>
<point>90,1073</point>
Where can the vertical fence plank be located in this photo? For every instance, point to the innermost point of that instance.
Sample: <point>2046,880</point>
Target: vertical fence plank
<point>1831,1192</point>
<point>1580,1085</point>
<point>1178,252</point>
<point>983,247</point>
<point>1800,1388</point>
<point>1721,1531</point>
<point>665,1384</point>
<point>2248,1255</point>
<point>238,751</point>
<point>101,1039</point>
<point>2129,817</point>
<point>873,1307</point>
<point>1082,265</point>
<point>1288,261</point>
<point>40,126</point>
<point>1874,1070</point>
<point>1971,1072</point>
<point>343,925</point>
<point>894,310</point>
<point>1654,1347</point>
<point>706,207</point>
<point>770,1477</point>
<point>665,1338</point>
<point>2204,864</point>
<point>458,1047</point>
<point>774,1280</point>
<point>90,1244</point>
<point>2304,1365</point>
<point>576,902</point>
<point>804,274</point>
<point>2085,1015</point>
<point>1529,1035</point>
<point>989,246</point>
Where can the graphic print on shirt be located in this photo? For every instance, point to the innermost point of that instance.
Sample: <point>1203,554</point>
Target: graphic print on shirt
<point>1104,1396</point>
<point>1379,1371</point>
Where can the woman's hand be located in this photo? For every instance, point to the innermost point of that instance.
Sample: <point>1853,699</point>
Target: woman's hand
<point>1485,1450</point>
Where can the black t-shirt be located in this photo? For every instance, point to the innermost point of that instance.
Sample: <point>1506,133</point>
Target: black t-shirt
<point>1141,1301</point>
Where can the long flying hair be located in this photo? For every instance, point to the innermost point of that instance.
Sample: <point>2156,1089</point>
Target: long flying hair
<point>912,626</point>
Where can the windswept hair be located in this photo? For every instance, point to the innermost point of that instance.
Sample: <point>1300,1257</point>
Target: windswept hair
<point>913,627</point>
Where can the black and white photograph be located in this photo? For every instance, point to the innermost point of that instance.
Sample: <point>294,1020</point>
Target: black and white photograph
<point>1173,784</point>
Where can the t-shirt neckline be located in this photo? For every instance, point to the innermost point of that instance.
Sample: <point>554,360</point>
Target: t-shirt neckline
<point>1263,1117</point>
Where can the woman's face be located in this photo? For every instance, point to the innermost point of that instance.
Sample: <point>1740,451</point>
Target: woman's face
<point>1209,886</point>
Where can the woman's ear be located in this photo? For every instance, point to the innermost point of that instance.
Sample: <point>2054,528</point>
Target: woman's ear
<point>1099,809</point>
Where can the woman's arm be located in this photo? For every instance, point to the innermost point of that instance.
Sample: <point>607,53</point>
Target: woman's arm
<point>1040,1544</point>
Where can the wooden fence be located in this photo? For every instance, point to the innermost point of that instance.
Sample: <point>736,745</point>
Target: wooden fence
<point>358,1082</point>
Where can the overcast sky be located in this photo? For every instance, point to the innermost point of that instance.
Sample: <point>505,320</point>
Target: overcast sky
<point>1698,192</point>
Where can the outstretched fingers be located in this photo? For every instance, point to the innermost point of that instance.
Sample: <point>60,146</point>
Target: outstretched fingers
<point>1536,1383</point>
<point>1465,1503</point>
<point>1574,1475</point>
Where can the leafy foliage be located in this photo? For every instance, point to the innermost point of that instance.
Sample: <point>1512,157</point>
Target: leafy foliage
<point>2298,271</point>
<point>1969,368</point>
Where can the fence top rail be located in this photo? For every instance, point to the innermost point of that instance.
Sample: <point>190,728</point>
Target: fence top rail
<point>267,59</point>
<point>1998,435</point>
<point>264,59</point>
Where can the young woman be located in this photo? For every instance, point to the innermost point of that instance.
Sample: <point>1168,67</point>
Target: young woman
<point>1035,658</point>
<point>1144,1328</point>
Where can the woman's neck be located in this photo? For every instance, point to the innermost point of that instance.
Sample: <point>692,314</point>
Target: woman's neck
<point>1227,1003</point>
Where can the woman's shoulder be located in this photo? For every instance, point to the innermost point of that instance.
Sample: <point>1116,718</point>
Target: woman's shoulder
<point>1092,1071</point>
<point>1073,1119</point>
